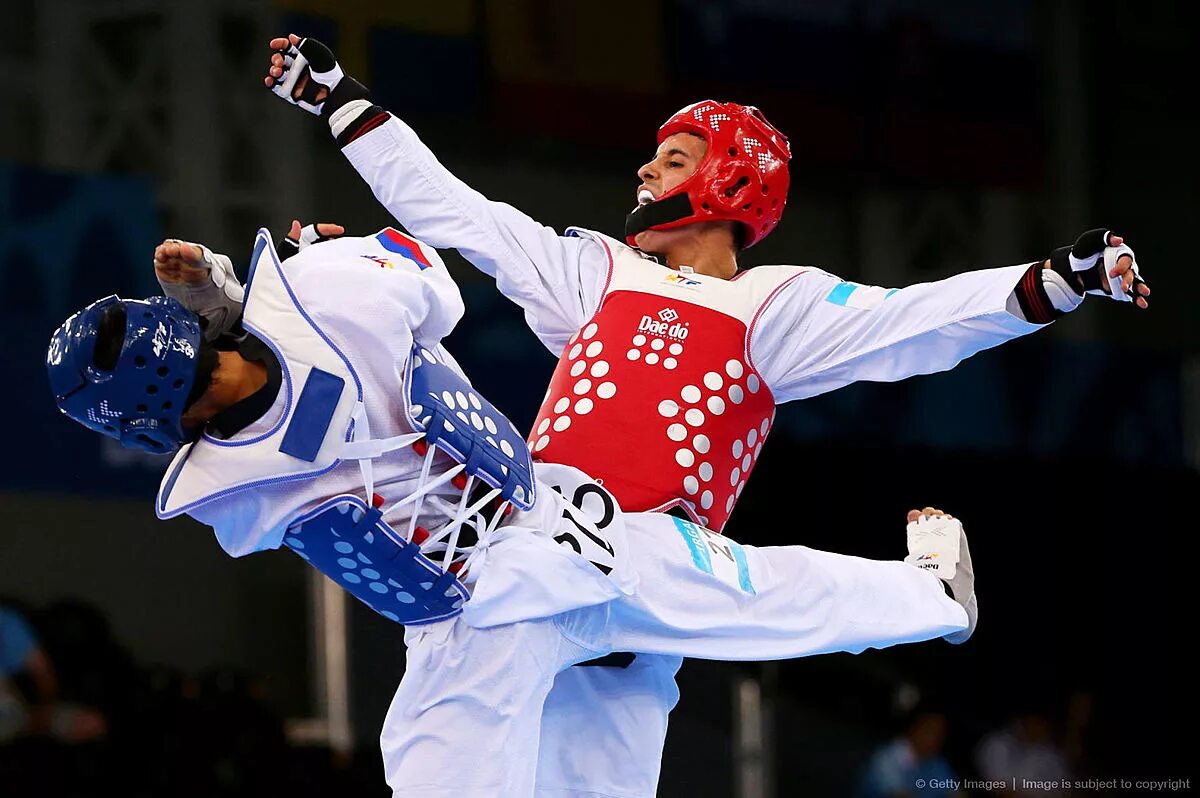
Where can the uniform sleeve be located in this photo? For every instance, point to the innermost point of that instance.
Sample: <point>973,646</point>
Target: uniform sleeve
<point>557,280</point>
<point>819,333</point>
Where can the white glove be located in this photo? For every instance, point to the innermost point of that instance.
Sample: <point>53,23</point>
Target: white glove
<point>309,235</point>
<point>1087,266</point>
<point>217,300</point>
<point>933,544</point>
<point>315,60</point>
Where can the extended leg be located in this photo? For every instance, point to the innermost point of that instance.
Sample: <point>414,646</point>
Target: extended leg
<point>465,721</point>
<point>603,729</point>
<point>703,595</point>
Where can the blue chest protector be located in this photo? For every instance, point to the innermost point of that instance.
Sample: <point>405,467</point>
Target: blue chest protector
<point>349,541</point>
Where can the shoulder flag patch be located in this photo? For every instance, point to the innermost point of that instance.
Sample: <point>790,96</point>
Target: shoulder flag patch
<point>394,241</point>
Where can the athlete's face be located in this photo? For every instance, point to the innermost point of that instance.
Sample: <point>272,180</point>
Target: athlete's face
<point>675,161</point>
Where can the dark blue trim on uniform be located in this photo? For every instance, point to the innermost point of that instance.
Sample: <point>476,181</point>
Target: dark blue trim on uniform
<point>314,412</point>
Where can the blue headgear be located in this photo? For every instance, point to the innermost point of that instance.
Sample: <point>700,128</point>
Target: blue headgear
<point>140,398</point>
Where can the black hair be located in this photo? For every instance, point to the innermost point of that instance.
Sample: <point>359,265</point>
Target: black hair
<point>740,234</point>
<point>206,364</point>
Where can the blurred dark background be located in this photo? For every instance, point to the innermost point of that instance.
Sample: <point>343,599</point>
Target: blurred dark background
<point>929,137</point>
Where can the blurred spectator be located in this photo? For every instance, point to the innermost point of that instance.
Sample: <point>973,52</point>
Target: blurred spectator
<point>1076,738</point>
<point>913,763</point>
<point>157,731</point>
<point>29,694</point>
<point>1023,751</point>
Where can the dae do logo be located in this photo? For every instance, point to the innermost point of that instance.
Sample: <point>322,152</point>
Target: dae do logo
<point>667,325</point>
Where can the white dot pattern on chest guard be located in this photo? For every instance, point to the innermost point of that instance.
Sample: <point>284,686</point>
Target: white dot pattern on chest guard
<point>676,432</point>
<point>582,390</point>
<point>650,349</point>
<point>712,465</point>
<point>744,453</point>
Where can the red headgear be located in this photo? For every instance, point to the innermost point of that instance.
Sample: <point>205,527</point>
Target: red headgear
<point>743,177</point>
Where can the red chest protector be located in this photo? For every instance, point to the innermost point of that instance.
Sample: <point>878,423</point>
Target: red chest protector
<point>656,396</point>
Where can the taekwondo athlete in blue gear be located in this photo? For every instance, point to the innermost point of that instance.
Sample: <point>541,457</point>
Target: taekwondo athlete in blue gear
<point>337,426</point>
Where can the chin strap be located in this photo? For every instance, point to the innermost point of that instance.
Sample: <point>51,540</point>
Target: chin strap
<point>662,211</point>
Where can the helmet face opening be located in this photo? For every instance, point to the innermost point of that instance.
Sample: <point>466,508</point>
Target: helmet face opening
<point>125,368</point>
<point>110,338</point>
<point>742,178</point>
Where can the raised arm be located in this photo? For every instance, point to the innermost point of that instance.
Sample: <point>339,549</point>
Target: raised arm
<point>557,280</point>
<point>820,332</point>
<point>426,302</point>
<point>205,282</point>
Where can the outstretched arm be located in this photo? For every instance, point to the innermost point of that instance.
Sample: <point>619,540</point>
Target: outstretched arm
<point>820,332</point>
<point>556,279</point>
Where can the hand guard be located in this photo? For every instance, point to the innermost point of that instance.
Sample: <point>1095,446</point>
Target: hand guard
<point>312,59</point>
<point>1087,265</point>
<point>934,545</point>
<point>217,301</point>
<point>289,246</point>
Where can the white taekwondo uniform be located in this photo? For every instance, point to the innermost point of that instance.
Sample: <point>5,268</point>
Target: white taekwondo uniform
<point>695,416</point>
<point>550,586</point>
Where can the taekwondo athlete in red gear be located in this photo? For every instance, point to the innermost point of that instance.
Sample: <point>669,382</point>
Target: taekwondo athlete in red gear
<point>621,323</point>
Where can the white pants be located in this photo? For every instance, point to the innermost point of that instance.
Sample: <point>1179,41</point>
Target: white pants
<point>467,718</point>
<point>603,729</point>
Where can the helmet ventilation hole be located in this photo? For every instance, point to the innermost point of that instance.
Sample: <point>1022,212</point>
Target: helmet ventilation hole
<point>733,152</point>
<point>742,182</point>
<point>151,389</point>
<point>139,361</point>
<point>163,371</point>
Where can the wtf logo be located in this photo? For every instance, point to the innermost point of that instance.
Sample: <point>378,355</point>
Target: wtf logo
<point>679,279</point>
